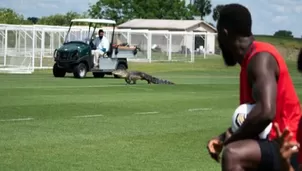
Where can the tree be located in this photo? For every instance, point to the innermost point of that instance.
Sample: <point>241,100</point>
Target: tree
<point>284,33</point>
<point>9,16</point>
<point>202,8</point>
<point>33,20</point>
<point>162,9</point>
<point>216,12</point>
<point>124,10</point>
<point>109,9</point>
<point>72,15</point>
<point>59,19</point>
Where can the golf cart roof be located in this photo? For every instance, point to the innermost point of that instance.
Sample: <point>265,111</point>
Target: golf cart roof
<point>99,21</point>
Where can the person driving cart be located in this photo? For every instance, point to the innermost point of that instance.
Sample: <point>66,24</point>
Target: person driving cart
<point>102,46</point>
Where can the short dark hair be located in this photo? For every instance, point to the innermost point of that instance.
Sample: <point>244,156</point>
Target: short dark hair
<point>237,18</point>
<point>101,31</point>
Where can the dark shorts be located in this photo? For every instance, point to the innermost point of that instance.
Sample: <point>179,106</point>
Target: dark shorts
<point>270,160</point>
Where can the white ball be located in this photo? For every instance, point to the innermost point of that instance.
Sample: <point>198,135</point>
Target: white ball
<point>240,115</point>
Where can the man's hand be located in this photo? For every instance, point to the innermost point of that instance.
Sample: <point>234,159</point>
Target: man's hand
<point>287,148</point>
<point>215,147</point>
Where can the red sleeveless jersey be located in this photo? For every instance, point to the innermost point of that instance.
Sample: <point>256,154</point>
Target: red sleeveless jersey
<point>288,111</point>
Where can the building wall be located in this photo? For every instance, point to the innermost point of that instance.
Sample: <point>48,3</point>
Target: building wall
<point>208,41</point>
<point>210,44</point>
<point>180,43</point>
<point>161,41</point>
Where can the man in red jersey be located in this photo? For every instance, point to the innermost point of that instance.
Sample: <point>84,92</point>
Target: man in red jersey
<point>265,82</point>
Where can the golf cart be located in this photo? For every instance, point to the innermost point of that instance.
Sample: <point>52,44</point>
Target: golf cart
<point>76,56</point>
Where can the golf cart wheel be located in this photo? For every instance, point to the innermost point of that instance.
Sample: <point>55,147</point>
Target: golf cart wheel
<point>122,67</point>
<point>98,75</point>
<point>80,70</point>
<point>58,72</point>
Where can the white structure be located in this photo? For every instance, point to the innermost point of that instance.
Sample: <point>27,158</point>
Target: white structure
<point>24,48</point>
<point>185,26</point>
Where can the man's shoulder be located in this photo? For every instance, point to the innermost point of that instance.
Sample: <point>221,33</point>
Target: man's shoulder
<point>263,51</point>
<point>260,46</point>
<point>261,56</point>
<point>262,60</point>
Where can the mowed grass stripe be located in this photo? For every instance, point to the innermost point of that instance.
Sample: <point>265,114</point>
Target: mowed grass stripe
<point>138,98</point>
<point>140,84</point>
<point>54,110</point>
<point>211,88</point>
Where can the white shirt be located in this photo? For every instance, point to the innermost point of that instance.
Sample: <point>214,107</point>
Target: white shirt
<point>100,44</point>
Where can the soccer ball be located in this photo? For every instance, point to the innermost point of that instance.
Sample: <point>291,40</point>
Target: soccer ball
<point>240,115</point>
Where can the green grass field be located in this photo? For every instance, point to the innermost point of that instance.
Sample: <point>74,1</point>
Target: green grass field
<point>49,123</point>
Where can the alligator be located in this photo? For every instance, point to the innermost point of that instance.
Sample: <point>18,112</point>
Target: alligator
<point>133,76</point>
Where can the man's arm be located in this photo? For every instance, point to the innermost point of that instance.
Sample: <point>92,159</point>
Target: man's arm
<point>262,71</point>
<point>222,136</point>
<point>225,135</point>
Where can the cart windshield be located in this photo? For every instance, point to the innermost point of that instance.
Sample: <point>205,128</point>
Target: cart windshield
<point>86,31</point>
<point>79,34</point>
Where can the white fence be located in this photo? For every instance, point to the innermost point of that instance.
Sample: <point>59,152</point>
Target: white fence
<point>32,46</point>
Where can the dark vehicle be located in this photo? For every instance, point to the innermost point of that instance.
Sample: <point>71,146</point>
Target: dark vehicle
<point>76,56</point>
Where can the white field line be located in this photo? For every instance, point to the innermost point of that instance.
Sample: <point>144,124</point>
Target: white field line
<point>146,113</point>
<point>88,116</point>
<point>100,115</point>
<point>199,109</point>
<point>18,119</point>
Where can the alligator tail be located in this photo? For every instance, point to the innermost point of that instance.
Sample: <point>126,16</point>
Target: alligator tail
<point>160,81</point>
